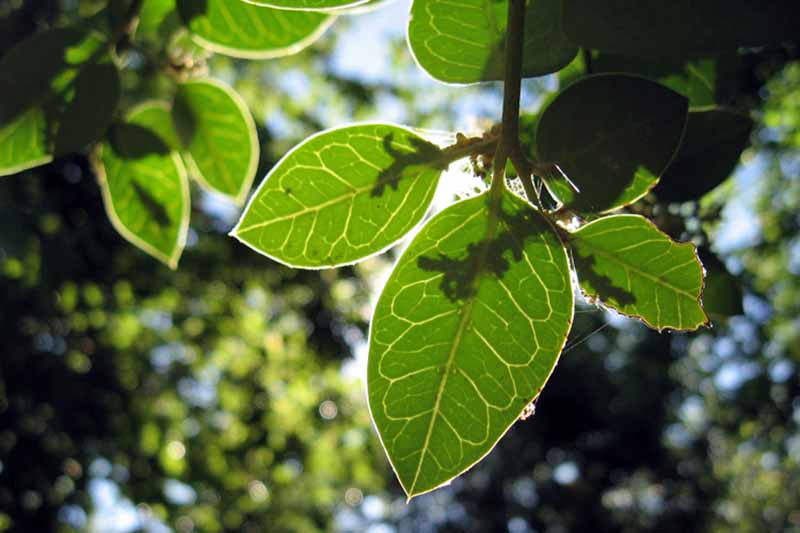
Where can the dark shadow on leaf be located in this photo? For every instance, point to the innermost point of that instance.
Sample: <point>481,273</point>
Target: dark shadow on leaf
<point>184,120</point>
<point>709,153</point>
<point>152,205</point>
<point>131,141</point>
<point>76,98</point>
<point>192,9</point>
<point>602,285</point>
<point>28,72</point>
<point>612,135</point>
<point>87,117</point>
<point>492,256</point>
<point>423,154</point>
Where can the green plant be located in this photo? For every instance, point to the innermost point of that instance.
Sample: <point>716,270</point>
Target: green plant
<point>477,310</point>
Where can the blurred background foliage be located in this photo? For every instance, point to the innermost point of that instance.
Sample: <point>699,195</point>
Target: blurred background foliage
<point>227,396</point>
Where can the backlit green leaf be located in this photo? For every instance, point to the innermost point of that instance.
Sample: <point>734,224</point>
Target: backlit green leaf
<point>58,93</point>
<point>714,140</point>
<point>220,142</point>
<point>626,263</point>
<point>366,7</point>
<point>342,195</point>
<point>309,5</point>
<point>614,136</point>
<point>144,184</point>
<point>23,143</point>
<point>464,42</point>
<point>157,18</point>
<point>466,333</point>
<point>239,29</point>
<point>42,66</point>
<point>680,28</point>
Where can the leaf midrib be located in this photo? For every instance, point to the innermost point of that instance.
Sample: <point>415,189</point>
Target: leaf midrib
<point>477,267</point>
<point>651,277</point>
<point>433,164</point>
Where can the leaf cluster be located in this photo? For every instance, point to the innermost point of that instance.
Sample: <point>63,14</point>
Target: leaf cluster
<point>472,320</point>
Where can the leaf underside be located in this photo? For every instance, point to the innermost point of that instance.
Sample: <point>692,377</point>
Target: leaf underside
<point>710,151</point>
<point>696,80</point>
<point>680,28</point>
<point>463,42</point>
<point>59,93</point>
<point>144,184</point>
<point>342,195</point>
<point>614,136</point>
<point>220,144</point>
<point>464,336</point>
<point>239,29</point>
<point>627,264</point>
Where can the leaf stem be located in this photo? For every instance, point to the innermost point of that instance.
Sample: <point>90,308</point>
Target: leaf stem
<point>128,25</point>
<point>509,146</point>
<point>587,60</point>
<point>469,146</point>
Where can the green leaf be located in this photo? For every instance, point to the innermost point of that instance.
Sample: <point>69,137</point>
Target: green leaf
<point>366,7</point>
<point>144,184</point>
<point>680,28</point>
<point>342,195</point>
<point>58,93</point>
<point>154,13</point>
<point>41,66</point>
<point>626,263</point>
<point>696,80</point>
<point>464,42</point>
<point>239,29</point>
<point>309,5</point>
<point>722,294</point>
<point>715,138</point>
<point>613,136</point>
<point>220,145</point>
<point>87,115</point>
<point>465,334</point>
<point>157,18</point>
<point>23,143</point>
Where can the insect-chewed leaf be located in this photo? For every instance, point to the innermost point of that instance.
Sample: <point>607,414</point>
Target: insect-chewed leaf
<point>626,263</point>
<point>463,42</point>
<point>714,140</point>
<point>613,136</point>
<point>245,30</point>
<point>144,184</point>
<point>47,84</point>
<point>342,195</point>
<point>220,145</point>
<point>309,5</point>
<point>680,28</point>
<point>465,334</point>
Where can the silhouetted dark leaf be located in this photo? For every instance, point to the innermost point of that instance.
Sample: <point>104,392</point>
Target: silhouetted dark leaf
<point>714,140</point>
<point>613,136</point>
<point>681,28</point>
